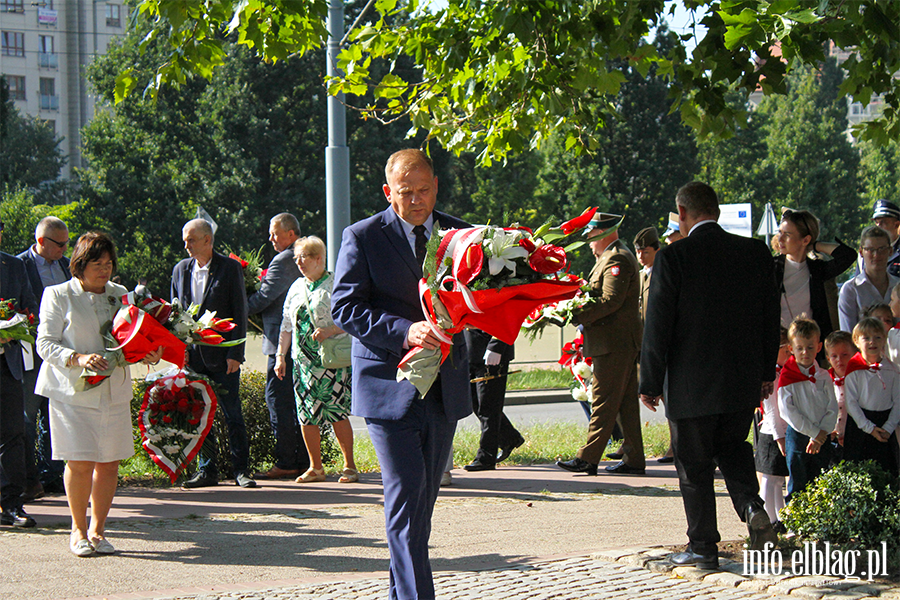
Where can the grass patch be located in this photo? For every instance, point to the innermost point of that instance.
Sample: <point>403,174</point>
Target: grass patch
<point>540,379</point>
<point>545,443</point>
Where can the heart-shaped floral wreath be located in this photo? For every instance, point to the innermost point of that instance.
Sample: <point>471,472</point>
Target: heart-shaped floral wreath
<point>175,417</point>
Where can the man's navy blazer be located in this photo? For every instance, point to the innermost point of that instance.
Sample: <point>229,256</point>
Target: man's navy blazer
<point>14,285</point>
<point>226,296</point>
<point>37,286</point>
<point>269,300</point>
<point>712,324</point>
<point>376,299</point>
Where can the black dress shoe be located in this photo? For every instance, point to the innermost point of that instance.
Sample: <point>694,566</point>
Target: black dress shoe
<point>620,468</point>
<point>478,465</point>
<point>760,529</point>
<point>244,480</point>
<point>16,517</point>
<point>665,460</point>
<point>200,479</point>
<point>615,455</point>
<point>692,559</point>
<point>576,465</point>
<point>505,451</point>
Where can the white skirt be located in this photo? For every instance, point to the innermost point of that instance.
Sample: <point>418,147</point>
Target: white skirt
<point>100,434</point>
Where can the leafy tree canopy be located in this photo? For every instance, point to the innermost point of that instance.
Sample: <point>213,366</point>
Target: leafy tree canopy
<point>29,149</point>
<point>499,76</point>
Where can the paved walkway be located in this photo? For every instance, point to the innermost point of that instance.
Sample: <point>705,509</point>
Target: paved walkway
<point>518,532</point>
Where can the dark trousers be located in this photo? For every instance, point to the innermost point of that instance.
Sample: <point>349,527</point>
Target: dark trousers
<point>803,467</point>
<point>12,437</point>
<point>39,466</point>
<point>229,402</point>
<point>412,452</point>
<point>290,453</point>
<point>615,392</point>
<point>487,403</point>
<point>859,445</point>
<point>700,444</point>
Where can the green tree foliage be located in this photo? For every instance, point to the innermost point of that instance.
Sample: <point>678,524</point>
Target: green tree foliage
<point>20,212</point>
<point>502,76</point>
<point>880,171</point>
<point>30,152</point>
<point>814,164</point>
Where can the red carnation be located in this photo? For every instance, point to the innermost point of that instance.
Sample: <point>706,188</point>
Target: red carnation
<point>578,222</point>
<point>263,274</point>
<point>547,259</point>
<point>182,405</point>
<point>167,419</point>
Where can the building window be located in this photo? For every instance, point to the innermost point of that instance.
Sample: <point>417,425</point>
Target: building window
<point>12,5</point>
<point>16,86</point>
<point>112,15</point>
<point>46,56</point>
<point>13,43</point>
<point>49,99</point>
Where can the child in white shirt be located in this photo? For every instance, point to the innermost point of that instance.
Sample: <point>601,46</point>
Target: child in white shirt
<point>768,454</point>
<point>839,349</point>
<point>807,403</point>
<point>872,397</point>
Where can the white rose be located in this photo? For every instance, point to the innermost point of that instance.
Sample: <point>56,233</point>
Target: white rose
<point>580,394</point>
<point>584,371</point>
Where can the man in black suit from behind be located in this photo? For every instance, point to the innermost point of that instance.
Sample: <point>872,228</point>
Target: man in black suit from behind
<point>46,265</point>
<point>719,357</point>
<point>216,283</point>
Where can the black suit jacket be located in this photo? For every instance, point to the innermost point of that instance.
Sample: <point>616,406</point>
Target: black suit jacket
<point>14,285</point>
<point>225,294</point>
<point>712,324</point>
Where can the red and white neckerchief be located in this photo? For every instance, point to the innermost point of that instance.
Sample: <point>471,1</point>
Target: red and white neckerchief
<point>858,363</point>
<point>791,373</point>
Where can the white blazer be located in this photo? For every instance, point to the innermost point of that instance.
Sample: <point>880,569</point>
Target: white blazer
<point>68,325</point>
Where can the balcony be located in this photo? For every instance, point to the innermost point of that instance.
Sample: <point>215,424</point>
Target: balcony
<point>49,102</point>
<point>48,60</point>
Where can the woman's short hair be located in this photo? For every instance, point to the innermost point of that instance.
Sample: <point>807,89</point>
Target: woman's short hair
<point>310,245</point>
<point>873,231</point>
<point>91,246</point>
<point>806,223</point>
<point>868,326</point>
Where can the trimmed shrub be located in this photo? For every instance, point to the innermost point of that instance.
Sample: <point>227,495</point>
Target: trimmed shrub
<point>854,506</point>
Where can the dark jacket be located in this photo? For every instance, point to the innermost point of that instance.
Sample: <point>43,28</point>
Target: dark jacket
<point>14,285</point>
<point>712,324</point>
<point>820,271</point>
<point>226,295</point>
<point>269,300</point>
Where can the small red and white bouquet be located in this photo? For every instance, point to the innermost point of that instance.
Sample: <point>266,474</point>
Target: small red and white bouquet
<point>17,323</point>
<point>580,367</point>
<point>175,417</point>
<point>559,314</point>
<point>489,278</point>
<point>251,265</point>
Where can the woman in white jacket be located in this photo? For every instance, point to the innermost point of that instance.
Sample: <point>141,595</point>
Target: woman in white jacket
<point>90,426</point>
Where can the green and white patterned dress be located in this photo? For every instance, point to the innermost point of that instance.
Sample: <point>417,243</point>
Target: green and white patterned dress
<point>322,395</point>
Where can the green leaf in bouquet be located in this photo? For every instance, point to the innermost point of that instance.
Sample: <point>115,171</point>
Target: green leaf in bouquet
<point>574,246</point>
<point>542,230</point>
<point>553,234</point>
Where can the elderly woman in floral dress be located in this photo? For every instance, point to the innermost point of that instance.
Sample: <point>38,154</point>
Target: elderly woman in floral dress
<point>322,395</point>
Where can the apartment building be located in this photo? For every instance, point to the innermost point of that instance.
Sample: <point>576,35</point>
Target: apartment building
<point>45,47</point>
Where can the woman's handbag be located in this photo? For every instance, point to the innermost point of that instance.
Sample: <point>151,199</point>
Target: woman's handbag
<point>334,352</point>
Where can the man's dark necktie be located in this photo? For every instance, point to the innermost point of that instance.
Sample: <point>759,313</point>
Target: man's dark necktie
<point>421,241</point>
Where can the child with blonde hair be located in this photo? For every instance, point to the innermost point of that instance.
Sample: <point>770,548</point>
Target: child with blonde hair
<point>872,397</point>
<point>807,403</point>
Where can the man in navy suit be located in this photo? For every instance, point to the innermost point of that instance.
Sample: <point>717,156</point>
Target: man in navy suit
<point>14,285</point>
<point>376,300</point>
<point>714,360</point>
<point>45,265</point>
<point>291,458</point>
<point>216,283</point>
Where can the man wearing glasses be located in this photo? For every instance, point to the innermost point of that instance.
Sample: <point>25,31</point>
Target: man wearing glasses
<point>873,284</point>
<point>45,265</point>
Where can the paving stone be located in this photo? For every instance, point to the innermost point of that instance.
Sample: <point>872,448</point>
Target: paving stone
<point>691,573</point>
<point>809,592</point>
<point>724,578</point>
<point>660,566</point>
